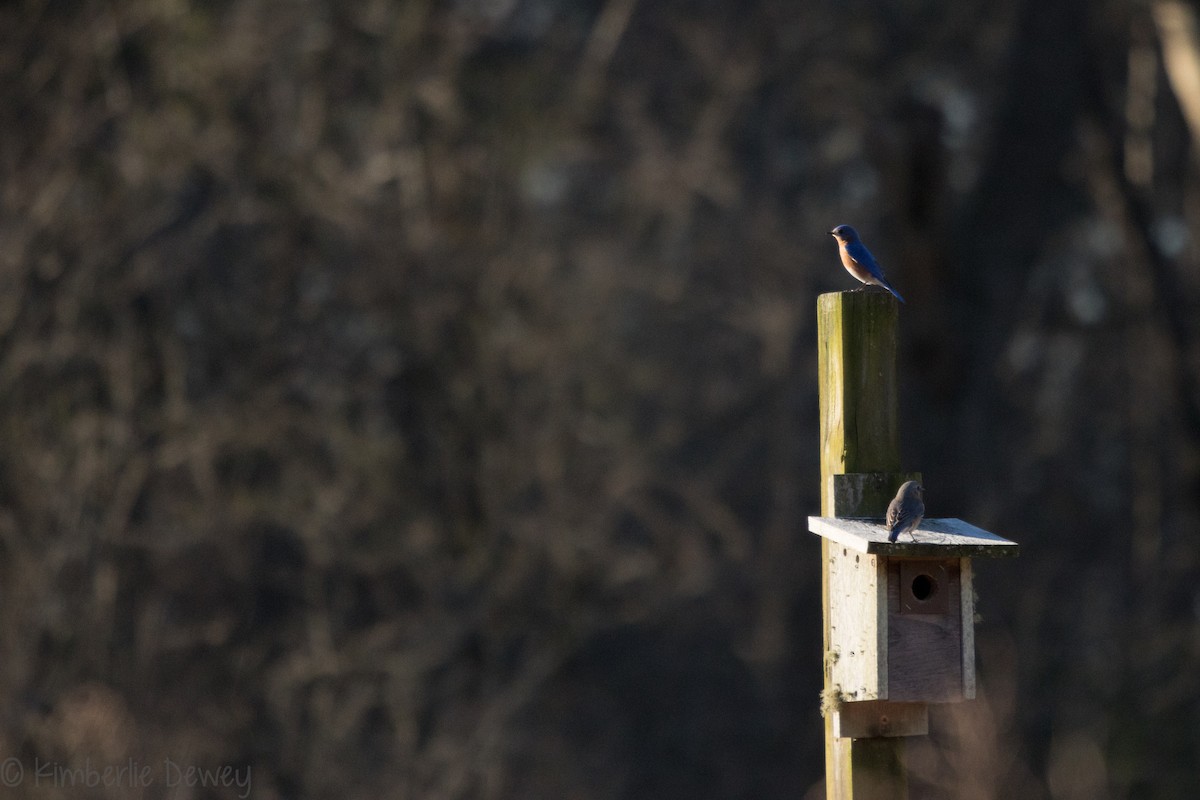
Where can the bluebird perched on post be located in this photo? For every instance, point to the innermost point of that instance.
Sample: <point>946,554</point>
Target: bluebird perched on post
<point>906,511</point>
<point>857,259</point>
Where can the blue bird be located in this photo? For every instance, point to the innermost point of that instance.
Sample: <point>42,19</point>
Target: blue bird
<point>857,259</point>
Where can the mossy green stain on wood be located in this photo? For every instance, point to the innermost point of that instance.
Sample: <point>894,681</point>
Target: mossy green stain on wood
<point>856,364</point>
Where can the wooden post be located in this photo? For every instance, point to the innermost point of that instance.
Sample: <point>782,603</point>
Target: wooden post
<point>856,341</point>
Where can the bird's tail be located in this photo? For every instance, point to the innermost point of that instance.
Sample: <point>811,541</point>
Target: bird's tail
<point>883,282</point>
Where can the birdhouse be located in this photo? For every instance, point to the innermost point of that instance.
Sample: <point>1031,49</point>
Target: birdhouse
<point>902,614</point>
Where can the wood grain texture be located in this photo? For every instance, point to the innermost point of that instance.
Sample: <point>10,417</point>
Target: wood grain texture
<point>968,627</point>
<point>867,493</point>
<point>858,624</point>
<point>881,718</point>
<point>857,390</point>
<point>924,651</point>
<point>935,538</point>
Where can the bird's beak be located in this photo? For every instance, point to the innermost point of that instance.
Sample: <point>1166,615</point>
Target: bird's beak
<point>833,233</point>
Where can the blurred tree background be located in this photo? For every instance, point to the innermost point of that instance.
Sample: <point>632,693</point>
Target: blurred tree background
<point>416,399</point>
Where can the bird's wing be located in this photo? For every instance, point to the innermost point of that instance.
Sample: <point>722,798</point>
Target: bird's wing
<point>901,515</point>
<point>893,514</point>
<point>859,252</point>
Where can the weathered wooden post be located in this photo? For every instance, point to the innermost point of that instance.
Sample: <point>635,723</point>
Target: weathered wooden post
<point>898,617</point>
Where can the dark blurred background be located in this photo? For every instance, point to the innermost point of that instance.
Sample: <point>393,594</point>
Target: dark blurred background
<point>417,399</point>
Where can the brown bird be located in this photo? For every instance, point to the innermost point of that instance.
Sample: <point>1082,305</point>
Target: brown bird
<point>906,510</point>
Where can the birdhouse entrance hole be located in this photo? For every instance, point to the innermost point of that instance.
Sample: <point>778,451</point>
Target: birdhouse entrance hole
<point>924,586</point>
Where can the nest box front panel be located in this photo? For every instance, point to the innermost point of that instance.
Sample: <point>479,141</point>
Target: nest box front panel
<point>925,636</point>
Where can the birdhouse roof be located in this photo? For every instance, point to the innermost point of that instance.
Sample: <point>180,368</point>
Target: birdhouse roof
<point>935,538</point>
